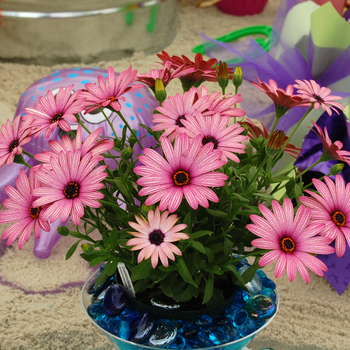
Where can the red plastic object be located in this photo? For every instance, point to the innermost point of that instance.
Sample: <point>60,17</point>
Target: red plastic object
<point>241,7</point>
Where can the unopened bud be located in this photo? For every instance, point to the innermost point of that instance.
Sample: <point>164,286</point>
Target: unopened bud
<point>222,74</point>
<point>159,90</point>
<point>87,248</point>
<point>237,77</point>
<point>146,209</point>
<point>275,143</point>
<point>126,153</point>
<point>336,169</point>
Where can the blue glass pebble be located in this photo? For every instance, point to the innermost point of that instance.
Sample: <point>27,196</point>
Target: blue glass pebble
<point>179,343</point>
<point>203,320</point>
<point>204,339</point>
<point>221,320</point>
<point>124,330</point>
<point>269,293</point>
<point>102,323</point>
<point>115,300</point>
<point>194,344</point>
<point>98,297</point>
<point>101,287</point>
<point>254,286</point>
<point>102,267</point>
<point>260,306</point>
<point>189,330</point>
<point>267,283</point>
<point>113,325</point>
<point>214,336</point>
<point>141,327</point>
<point>95,311</point>
<point>164,334</point>
<point>179,324</point>
<point>239,318</point>
<point>129,316</point>
<point>242,295</point>
<point>261,274</point>
<point>247,327</point>
<point>231,332</point>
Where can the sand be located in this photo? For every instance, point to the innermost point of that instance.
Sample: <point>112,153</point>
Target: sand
<point>40,299</point>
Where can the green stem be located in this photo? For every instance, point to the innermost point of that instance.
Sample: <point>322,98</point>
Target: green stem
<point>273,126</point>
<point>108,121</point>
<point>131,130</point>
<point>83,126</point>
<point>258,171</point>
<point>28,154</point>
<point>311,166</point>
<point>236,92</point>
<point>72,133</point>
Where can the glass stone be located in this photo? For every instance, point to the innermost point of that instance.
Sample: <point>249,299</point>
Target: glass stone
<point>164,334</point>
<point>98,298</point>
<point>267,283</point>
<point>129,316</point>
<point>115,300</point>
<point>95,311</point>
<point>247,327</point>
<point>213,337</point>
<point>241,296</point>
<point>189,330</point>
<point>102,286</point>
<point>261,273</point>
<point>141,327</point>
<point>202,320</point>
<point>113,325</point>
<point>179,324</point>
<point>269,293</point>
<point>102,323</point>
<point>260,306</point>
<point>221,320</point>
<point>204,339</point>
<point>231,332</point>
<point>102,267</point>
<point>239,317</point>
<point>254,286</point>
<point>163,305</point>
<point>193,344</point>
<point>124,330</point>
<point>179,343</point>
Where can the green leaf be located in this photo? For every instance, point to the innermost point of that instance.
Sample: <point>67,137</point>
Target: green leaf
<point>113,238</point>
<point>209,287</point>
<point>297,191</point>
<point>240,198</point>
<point>111,267</point>
<point>236,274</point>
<point>98,260</point>
<point>101,278</point>
<point>197,260</point>
<point>187,221</point>
<point>72,249</point>
<point>217,213</point>
<point>199,234</point>
<point>121,188</point>
<point>183,271</point>
<point>141,270</point>
<point>63,230</point>
<point>280,178</point>
<point>198,246</point>
<point>210,255</point>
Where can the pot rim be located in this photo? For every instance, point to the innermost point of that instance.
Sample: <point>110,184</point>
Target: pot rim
<point>110,335</point>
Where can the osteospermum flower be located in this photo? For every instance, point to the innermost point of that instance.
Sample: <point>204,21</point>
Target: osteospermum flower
<point>320,96</point>
<point>223,104</point>
<point>72,182</point>
<point>52,111</point>
<point>12,139</point>
<point>292,240</point>
<point>226,139</point>
<point>21,209</point>
<point>283,100</point>
<point>154,237</point>
<point>254,132</point>
<point>168,180</point>
<point>174,109</point>
<point>331,150</point>
<point>66,145</point>
<point>331,207</point>
<point>109,91</point>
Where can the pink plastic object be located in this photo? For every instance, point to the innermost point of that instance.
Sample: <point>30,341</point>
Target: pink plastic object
<point>241,7</point>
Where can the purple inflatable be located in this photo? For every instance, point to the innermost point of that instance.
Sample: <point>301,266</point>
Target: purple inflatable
<point>138,108</point>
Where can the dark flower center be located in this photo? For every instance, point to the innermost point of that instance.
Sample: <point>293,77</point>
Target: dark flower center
<point>178,121</point>
<point>34,212</point>
<point>13,145</point>
<point>287,245</point>
<point>156,237</point>
<point>181,178</point>
<point>112,98</point>
<point>338,218</point>
<point>317,98</point>
<point>56,118</point>
<point>71,190</point>
<point>212,139</point>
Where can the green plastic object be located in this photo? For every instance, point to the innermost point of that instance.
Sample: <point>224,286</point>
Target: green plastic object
<point>240,33</point>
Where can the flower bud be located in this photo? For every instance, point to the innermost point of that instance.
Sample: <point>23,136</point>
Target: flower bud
<point>237,77</point>
<point>145,209</point>
<point>126,153</point>
<point>222,74</point>
<point>336,169</point>
<point>159,90</point>
<point>275,143</point>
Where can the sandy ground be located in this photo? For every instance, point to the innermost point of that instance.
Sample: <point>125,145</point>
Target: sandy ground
<point>40,299</point>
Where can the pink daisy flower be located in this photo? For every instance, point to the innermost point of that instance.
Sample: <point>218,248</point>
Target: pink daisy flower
<point>168,180</point>
<point>291,240</point>
<point>174,109</point>
<point>226,139</point>
<point>71,183</point>
<point>108,92</point>
<point>331,207</point>
<point>320,96</point>
<point>254,132</point>
<point>66,145</point>
<point>154,237</point>
<point>331,150</point>
<point>52,111</point>
<point>12,139</point>
<point>165,74</point>
<point>223,104</point>
<point>22,210</point>
<point>284,100</point>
